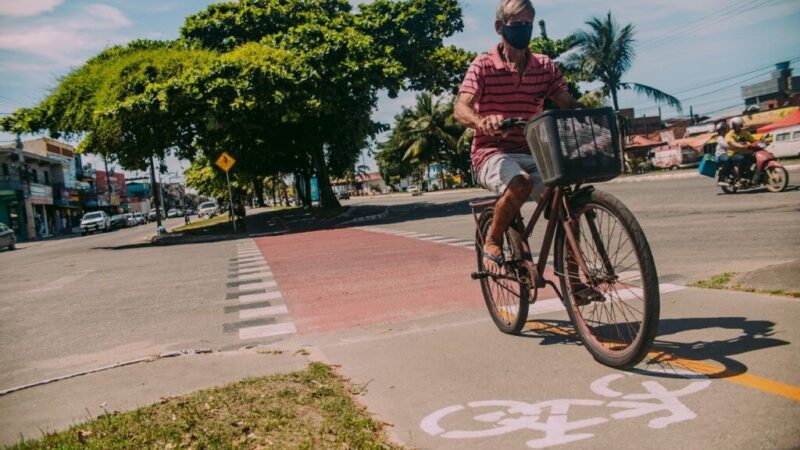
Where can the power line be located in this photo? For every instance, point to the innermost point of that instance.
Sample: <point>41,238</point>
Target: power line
<point>688,26</point>
<point>11,101</point>
<point>717,81</point>
<point>694,27</point>
<point>714,91</point>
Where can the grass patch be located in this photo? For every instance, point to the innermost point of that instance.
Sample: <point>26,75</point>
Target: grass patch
<point>203,223</point>
<point>715,282</point>
<point>722,281</point>
<point>309,409</point>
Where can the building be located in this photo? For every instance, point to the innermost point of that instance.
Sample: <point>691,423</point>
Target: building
<point>782,89</point>
<point>640,125</point>
<point>110,197</point>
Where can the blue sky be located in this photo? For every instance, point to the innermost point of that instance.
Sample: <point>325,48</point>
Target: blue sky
<point>683,44</point>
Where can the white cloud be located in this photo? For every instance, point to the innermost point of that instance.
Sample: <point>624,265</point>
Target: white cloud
<point>27,8</point>
<point>70,40</point>
<point>104,16</point>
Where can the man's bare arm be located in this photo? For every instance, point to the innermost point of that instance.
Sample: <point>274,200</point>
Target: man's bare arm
<point>464,113</point>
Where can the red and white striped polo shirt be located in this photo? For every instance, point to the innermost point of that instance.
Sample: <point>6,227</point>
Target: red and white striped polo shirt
<point>498,90</point>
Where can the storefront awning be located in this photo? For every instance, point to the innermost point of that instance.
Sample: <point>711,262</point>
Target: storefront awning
<point>695,142</point>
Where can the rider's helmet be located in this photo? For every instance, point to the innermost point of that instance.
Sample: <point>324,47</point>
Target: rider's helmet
<point>737,124</point>
<point>722,127</point>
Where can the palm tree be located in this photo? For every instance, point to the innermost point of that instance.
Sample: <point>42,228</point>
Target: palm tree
<point>425,132</point>
<point>606,52</point>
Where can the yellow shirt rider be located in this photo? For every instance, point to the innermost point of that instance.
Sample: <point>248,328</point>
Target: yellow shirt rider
<point>738,139</point>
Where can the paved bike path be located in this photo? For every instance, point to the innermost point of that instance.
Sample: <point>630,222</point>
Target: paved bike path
<point>401,316</point>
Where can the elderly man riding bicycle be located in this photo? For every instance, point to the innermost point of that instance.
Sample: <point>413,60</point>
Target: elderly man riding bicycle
<point>509,81</point>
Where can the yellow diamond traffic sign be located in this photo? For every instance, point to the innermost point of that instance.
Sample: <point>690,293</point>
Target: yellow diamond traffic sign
<point>225,161</point>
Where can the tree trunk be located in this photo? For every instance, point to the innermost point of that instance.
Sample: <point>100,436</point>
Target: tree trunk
<point>272,188</point>
<point>614,99</point>
<point>327,198</point>
<point>258,191</point>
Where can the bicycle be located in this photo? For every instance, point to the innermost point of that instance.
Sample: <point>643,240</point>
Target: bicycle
<point>608,279</point>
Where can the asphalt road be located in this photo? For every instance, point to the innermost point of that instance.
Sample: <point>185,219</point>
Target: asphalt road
<point>399,314</point>
<point>71,304</point>
<point>694,230</point>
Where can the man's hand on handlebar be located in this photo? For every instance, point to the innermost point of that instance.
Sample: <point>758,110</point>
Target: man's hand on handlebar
<point>491,125</point>
<point>496,124</point>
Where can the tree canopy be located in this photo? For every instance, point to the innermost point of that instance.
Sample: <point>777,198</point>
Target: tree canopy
<point>282,85</point>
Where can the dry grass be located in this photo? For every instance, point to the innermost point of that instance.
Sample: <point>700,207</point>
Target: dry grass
<point>309,409</point>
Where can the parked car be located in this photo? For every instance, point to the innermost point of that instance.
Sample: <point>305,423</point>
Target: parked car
<point>343,195</point>
<point>786,143</point>
<point>95,221</point>
<point>132,222</point>
<point>674,158</point>
<point>118,221</point>
<point>140,218</point>
<point>173,213</point>
<point>414,190</point>
<point>7,237</point>
<point>208,209</point>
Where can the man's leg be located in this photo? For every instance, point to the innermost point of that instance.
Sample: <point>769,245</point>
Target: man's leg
<point>507,207</point>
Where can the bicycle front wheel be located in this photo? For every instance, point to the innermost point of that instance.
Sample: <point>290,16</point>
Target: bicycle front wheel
<point>507,294</point>
<point>615,306</point>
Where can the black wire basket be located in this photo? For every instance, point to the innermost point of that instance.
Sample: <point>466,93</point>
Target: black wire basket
<point>575,146</point>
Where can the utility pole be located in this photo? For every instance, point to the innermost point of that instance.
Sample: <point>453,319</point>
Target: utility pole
<point>109,188</point>
<point>30,228</point>
<point>155,196</point>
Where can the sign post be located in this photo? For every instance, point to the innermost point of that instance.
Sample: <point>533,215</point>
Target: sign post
<point>225,162</point>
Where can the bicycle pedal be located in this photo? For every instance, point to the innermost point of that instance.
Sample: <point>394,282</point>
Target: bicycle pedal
<point>480,275</point>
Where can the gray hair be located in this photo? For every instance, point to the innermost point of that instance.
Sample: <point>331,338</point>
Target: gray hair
<point>510,8</point>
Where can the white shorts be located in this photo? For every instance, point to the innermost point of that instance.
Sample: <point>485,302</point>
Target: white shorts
<point>498,171</point>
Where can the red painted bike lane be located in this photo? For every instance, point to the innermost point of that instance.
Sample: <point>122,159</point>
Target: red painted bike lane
<point>334,280</point>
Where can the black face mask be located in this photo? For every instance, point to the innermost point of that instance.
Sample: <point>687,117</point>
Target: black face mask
<point>519,36</point>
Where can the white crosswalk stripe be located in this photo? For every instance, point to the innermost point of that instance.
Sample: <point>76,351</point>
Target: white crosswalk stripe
<point>250,272</point>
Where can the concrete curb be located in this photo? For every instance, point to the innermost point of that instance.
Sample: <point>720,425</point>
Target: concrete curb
<point>146,359</point>
<point>363,219</point>
<point>177,240</point>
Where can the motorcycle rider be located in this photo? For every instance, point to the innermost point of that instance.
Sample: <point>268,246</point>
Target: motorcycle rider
<point>738,140</point>
<point>721,154</point>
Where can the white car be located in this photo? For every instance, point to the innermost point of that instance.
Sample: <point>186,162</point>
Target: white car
<point>786,143</point>
<point>208,209</point>
<point>132,222</point>
<point>95,221</point>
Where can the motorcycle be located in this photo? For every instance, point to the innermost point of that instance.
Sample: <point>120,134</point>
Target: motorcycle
<point>771,173</point>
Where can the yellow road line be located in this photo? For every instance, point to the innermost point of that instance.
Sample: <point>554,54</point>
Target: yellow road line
<point>711,370</point>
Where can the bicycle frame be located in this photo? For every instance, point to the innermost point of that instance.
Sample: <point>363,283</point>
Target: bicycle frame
<point>555,199</point>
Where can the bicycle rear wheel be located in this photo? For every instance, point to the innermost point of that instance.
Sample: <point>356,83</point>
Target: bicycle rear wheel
<point>614,307</point>
<point>506,298</point>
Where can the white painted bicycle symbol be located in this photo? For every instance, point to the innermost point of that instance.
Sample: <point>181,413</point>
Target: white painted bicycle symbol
<point>551,417</point>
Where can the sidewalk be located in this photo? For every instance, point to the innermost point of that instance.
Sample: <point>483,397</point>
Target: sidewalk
<point>783,277</point>
<point>55,406</point>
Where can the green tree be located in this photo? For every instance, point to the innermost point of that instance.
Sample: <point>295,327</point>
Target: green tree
<point>344,58</point>
<point>85,103</point>
<point>606,51</point>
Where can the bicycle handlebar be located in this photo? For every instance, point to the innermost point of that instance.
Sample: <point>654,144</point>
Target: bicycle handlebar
<point>513,121</point>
